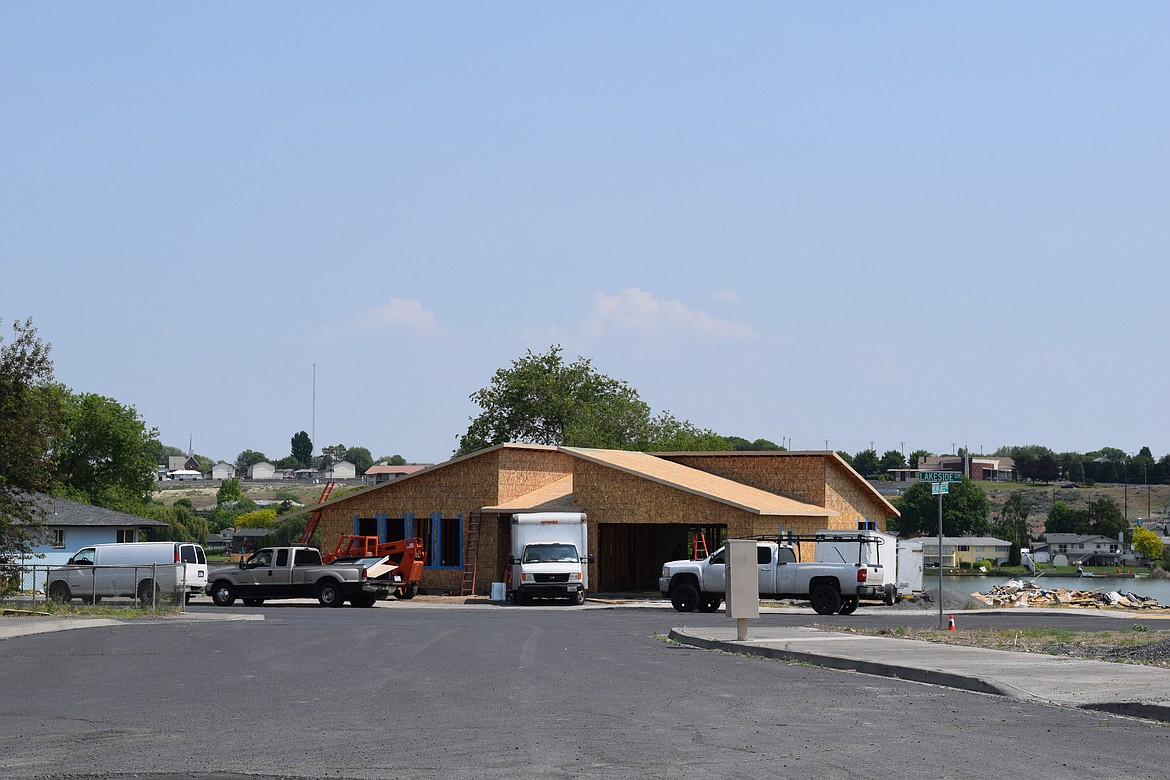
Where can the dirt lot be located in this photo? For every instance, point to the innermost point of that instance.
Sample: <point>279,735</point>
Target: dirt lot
<point>1139,645</point>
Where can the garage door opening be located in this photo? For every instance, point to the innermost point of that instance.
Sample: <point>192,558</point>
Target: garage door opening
<point>630,555</point>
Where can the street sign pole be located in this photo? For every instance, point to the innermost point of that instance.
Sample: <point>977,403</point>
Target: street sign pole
<point>940,581</point>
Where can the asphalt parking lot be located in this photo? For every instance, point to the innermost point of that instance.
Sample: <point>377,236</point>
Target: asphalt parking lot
<point>411,690</point>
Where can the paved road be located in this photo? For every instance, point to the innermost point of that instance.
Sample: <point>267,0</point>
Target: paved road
<point>505,692</point>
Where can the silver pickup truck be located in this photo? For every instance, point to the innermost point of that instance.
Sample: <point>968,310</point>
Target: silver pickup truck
<point>829,587</point>
<point>297,572</point>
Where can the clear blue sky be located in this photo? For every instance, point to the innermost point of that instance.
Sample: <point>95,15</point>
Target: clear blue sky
<point>912,224</point>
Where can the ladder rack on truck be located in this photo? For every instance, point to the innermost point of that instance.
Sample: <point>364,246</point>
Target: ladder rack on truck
<point>793,540</point>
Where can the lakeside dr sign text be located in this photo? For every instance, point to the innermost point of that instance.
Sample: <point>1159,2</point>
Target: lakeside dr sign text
<point>940,476</point>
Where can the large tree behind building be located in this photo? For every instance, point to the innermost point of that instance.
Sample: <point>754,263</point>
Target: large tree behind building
<point>541,399</point>
<point>302,449</point>
<point>965,510</point>
<point>30,418</point>
<point>107,456</point>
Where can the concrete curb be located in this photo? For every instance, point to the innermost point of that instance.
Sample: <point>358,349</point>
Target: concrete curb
<point>776,648</point>
<point>931,676</point>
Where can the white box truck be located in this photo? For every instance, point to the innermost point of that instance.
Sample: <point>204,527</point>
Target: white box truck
<point>550,556</point>
<point>141,570</point>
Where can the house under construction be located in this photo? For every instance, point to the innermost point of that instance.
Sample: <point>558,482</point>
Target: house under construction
<point>643,509</point>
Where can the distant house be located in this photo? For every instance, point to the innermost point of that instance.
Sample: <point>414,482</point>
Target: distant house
<point>1086,549</point>
<point>988,468</point>
<point>376,475</point>
<point>71,525</point>
<point>342,469</point>
<point>185,474</point>
<point>246,541</point>
<point>223,470</point>
<point>964,549</point>
<point>182,463</point>
<point>261,470</point>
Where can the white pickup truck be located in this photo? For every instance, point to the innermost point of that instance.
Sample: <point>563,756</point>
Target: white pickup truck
<point>830,587</point>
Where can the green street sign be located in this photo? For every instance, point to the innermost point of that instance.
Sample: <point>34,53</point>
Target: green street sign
<point>940,476</point>
<point>939,488</point>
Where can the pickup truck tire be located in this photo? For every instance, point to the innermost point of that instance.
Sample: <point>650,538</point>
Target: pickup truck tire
<point>363,601</point>
<point>684,597</point>
<point>223,594</point>
<point>825,599</point>
<point>578,598</point>
<point>59,592</point>
<point>891,595</point>
<point>709,603</point>
<point>329,594</point>
<point>849,605</point>
<point>253,602</point>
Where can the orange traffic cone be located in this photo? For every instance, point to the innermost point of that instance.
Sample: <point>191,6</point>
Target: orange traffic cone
<point>951,626</point>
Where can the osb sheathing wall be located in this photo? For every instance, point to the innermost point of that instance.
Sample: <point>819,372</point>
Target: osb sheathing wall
<point>608,495</point>
<point>853,501</point>
<point>461,487</point>
<point>800,477</point>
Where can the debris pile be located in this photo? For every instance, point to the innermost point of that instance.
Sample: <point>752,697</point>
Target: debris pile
<point>1015,593</point>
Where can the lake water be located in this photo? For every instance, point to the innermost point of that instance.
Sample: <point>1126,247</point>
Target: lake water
<point>1158,589</point>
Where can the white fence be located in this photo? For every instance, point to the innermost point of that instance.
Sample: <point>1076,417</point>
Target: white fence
<point>149,586</point>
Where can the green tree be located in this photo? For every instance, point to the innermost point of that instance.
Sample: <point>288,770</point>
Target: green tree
<point>542,400</point>
<point>393,460</point>
<point>248,458</point>
<point>107,455</point>
<point>329,455</point>
<point>288,462</point>
<point>260,518</point>
<point>965,510</point>
<point>1105,518</point>
<point>741,444</point>
<point>891,459</point>
<point>866,463</point>
<point>665,433</point>
<point>30,420</point>
<point>360,457</point>
<point>229,490</point>
<point>1012,525</point>
<point>845,456</point>
<point>302,449</point>
<point>1063,519</point>
<point>1147,544</point>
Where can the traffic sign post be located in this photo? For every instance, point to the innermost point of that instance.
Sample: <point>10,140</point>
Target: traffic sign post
<point>940,483</point>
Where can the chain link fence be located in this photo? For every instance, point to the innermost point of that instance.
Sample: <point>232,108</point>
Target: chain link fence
<point>149,586</point>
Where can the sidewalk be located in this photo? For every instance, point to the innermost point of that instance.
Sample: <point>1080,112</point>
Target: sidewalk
<point>1125,689</point>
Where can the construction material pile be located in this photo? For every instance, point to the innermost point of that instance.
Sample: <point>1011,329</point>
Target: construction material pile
<point>1015,593</point>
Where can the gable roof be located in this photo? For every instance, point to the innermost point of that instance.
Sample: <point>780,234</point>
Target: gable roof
<point>699,483</point>
<point>63,512</point>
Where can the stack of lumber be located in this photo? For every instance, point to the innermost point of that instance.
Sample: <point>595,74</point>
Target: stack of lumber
<point>1015,593</point>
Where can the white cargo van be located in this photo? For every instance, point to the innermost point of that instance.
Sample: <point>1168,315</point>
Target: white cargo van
<point>550,556</point>
<point>142,570</point>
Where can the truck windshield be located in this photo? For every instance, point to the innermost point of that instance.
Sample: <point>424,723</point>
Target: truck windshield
<point>550,553</point>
